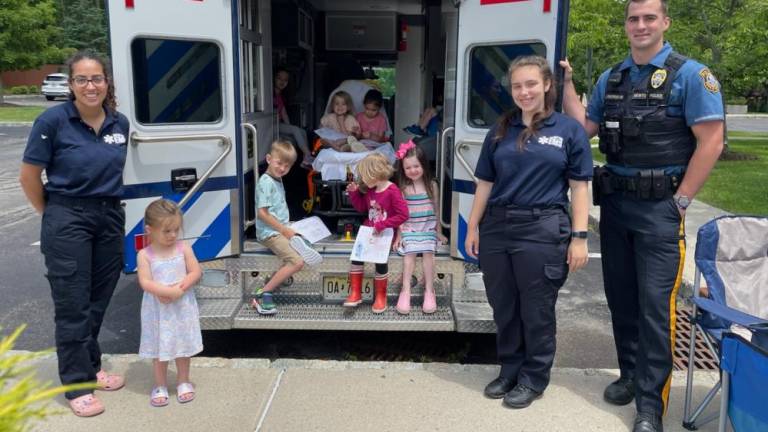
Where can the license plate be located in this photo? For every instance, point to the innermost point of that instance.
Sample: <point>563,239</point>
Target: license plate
<point>336,288</point>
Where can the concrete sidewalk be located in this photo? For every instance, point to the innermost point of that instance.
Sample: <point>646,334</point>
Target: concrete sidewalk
<point>296,395</point>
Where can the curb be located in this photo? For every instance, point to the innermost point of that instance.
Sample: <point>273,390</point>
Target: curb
<point>16,124</point>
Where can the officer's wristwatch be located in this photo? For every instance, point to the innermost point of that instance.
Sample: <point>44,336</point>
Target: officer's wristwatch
<point>682,201</point>
<point>579,234</point>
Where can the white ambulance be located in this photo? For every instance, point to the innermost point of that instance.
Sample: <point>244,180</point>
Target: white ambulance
<point>195,78</point>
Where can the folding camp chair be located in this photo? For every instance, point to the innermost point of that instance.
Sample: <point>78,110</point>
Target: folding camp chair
<point>745,381</point>
<point>732,256</point>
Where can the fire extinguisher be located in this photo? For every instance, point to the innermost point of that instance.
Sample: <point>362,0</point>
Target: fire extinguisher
<point>402,45</point>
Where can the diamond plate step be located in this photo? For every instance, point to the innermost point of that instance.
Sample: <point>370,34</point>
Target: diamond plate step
<point>473,317</point>
<point>314,315</point>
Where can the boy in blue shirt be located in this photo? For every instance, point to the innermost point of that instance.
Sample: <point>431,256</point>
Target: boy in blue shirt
<point>272,228</point>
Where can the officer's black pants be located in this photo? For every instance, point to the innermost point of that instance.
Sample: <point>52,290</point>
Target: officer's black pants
<point>523,258</point>
<point>643,248</point>
<point>82,241</point>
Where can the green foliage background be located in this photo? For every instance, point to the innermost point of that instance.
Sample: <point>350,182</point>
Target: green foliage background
<point>729,36</point>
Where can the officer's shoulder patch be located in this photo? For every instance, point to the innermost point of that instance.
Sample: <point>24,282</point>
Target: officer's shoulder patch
<point>709,80</point>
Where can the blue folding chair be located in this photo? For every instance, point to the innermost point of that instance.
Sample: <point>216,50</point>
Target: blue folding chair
<point>732,256</point>
<point>745,381</point>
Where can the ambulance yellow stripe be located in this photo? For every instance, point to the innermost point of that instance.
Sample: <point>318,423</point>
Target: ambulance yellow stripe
<point>673,313</point>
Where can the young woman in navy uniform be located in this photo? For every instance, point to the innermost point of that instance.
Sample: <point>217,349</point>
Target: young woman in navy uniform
<point>526,241</point>
<point>81,146</point>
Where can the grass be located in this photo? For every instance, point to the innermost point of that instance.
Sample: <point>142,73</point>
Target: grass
<point>15,114</point>
<point>736,186</point>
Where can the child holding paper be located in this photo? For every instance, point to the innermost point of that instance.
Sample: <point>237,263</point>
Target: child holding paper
<point>386,208</point>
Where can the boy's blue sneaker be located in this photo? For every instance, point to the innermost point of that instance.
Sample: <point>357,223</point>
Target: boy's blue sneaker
<point>264,303</point>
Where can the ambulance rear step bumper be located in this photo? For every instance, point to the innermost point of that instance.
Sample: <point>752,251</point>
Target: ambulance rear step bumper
<point>302,313</point>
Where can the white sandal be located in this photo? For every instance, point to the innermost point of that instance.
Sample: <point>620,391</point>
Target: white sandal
<point>185,389</point>
<point>157,393</point>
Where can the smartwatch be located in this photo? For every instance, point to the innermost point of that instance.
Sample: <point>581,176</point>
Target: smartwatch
<point>579,234</point>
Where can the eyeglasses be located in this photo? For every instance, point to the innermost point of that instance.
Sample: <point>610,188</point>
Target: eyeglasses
<point>82,81</point>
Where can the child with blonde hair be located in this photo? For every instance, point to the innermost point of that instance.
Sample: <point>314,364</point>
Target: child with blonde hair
<point>170,322</point>
<point>384,204</point>
<point>272,228</point>
<point>341,118</point>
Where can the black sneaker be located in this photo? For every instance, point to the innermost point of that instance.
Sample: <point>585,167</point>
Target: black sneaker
<point>520,397</point>
<point>497,388</point>
<point>620,392</point>
<point>646,422</point>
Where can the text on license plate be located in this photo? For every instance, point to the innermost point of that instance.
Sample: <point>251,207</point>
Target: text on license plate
<point>336,287</point>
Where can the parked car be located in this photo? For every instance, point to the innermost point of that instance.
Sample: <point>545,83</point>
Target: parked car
<point>56,84</point>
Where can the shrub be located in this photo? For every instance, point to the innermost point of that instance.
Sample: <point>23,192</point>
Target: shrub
<point>736,100</point>
<point>22,397</point>
<point>33,89</point>
<point>19,90</point>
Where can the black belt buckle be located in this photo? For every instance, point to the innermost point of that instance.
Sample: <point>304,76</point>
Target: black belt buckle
<point>644,184</point>
<point>660,186</point>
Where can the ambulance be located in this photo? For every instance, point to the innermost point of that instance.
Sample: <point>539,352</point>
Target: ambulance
<point>195,79</point>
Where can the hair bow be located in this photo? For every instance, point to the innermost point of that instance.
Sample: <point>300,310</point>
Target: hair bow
<point>403,149</point>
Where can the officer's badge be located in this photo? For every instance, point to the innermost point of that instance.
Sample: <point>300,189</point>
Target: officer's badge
<point>709,80</point>
<point>658,78</point>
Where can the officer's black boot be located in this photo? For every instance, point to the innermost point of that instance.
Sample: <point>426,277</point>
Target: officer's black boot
<point>645,422</point>
<point>620,392</point>
<point>497,388</point>
<point>520,397</point>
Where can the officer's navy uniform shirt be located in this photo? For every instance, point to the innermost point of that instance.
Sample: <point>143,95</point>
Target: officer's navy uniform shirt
<point>78,161</point>
<point>688,91</point>
<point>537,176</point>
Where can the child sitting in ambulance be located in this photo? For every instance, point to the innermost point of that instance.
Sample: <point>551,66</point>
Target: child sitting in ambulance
<point>373,125</point>
<point>340,118</point>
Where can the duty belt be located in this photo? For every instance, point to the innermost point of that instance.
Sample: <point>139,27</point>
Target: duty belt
<point>650,184</point>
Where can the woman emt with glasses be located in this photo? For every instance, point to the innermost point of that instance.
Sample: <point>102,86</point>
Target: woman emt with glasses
<point>81,146</point>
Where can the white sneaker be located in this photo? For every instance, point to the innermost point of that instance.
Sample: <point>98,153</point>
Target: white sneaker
<point>303,248</point>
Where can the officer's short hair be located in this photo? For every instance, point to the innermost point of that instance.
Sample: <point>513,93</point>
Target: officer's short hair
<point>283,150</point>
<point>374,167</point>
<point>664,7</point>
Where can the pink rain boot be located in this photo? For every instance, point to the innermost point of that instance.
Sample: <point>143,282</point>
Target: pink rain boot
<point>404,302</point>
<point>430,302</point>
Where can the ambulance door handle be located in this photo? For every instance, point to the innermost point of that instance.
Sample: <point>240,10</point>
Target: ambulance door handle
<point>441,173</point>
<point>459,157</point>
<point>223,141</point>
<point>252,129</point>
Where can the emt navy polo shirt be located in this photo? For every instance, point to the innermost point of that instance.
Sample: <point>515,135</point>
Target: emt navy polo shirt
<point>78,161</point>
<point>537,176</point>
<point>695,95</point>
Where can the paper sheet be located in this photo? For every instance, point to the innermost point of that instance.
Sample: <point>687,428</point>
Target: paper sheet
<point>311,228</point>
<point>370,247</point>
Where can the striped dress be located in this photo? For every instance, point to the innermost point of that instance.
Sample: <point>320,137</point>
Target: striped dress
<point>419,231</point>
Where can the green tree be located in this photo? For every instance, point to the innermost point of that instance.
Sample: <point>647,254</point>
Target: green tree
<point>84,24</point>
<point>28,33</point>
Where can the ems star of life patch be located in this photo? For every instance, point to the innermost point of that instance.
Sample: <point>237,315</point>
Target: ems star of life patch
<point>709,80</point>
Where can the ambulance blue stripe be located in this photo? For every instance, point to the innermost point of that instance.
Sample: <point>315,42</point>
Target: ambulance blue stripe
<point>129,247</point>
<point>145,190</point>
<point>214,238</point>
<point>464,186</point>
<point>164,58</point>
<point>191,97</point>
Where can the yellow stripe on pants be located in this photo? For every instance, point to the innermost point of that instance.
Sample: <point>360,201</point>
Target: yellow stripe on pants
<point>673,313</point>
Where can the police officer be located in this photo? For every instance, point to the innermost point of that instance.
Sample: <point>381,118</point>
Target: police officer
<point>81,146</point>
<point>660,118</point>
<point>525,242</point>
